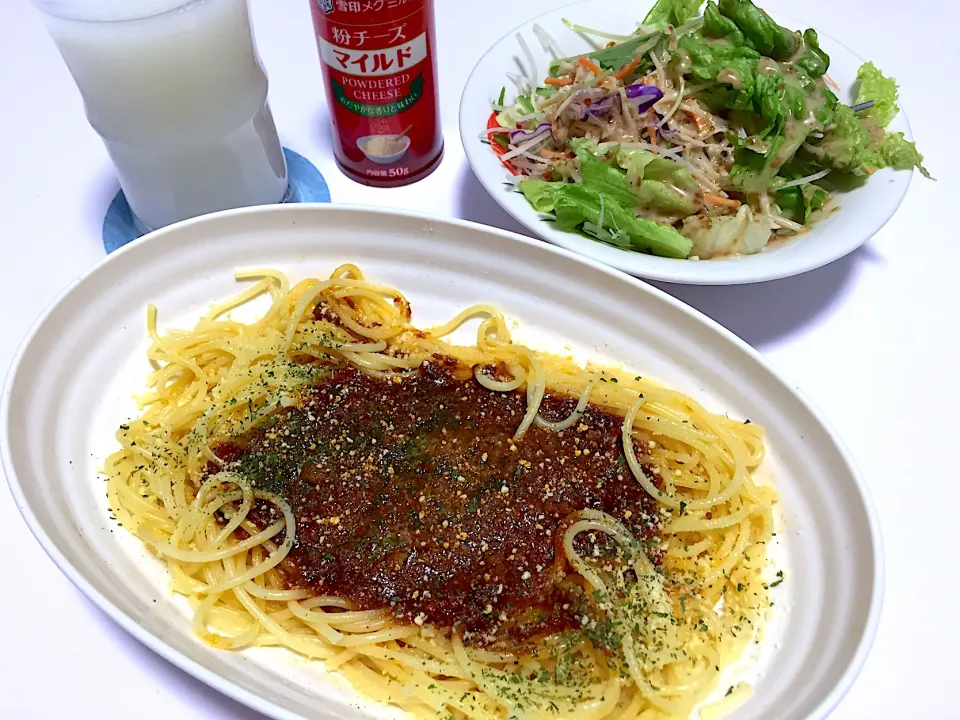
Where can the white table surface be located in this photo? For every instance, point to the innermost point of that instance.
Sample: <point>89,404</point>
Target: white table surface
<point>872,338</point>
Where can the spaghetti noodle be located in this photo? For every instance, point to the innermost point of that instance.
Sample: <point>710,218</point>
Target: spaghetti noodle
<point>614,573</point>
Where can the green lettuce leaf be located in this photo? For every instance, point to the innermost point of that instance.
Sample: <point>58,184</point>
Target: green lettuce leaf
<point>587,146</point>
<point>659,169</point>
<point>881,90</point>
<point>759,102</point>
<point>814,197</point>
<point>767,94</point>
<point>598,175</point>
<point>813,60</point>
<point>768,98</point>
<point>799,202</point>
<point>577,207</point>
<point>747,171</point>
<point>664,200</point>
<point>539,193</point>
<point>791,203</point>
<point>645,180</point>
<point>782,110</point>
<point>900,154</point>
<point>760,31</point>
<point>858,145</point>
<point>798,168</point>
<point>856,142</point>
<point>715,25</point>
<point>671,12</point>
<point>613,57</point>
<point>635,162</point>
<point>510,117</point>
<point>708,59</point>
<point>662,186</point>
<point>522,106</point>
<point>845,144</point>
<point>754,172</point>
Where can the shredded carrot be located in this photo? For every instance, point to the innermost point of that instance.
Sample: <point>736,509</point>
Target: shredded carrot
<point>651,130</point>
<point>629,67</point>
<point>699,119</point>
<point>717,200</point>
<point>548,153</point>
<point>558,82</point>
<point>830,81</point>
<point>497,149</point>
<point>589,65</point>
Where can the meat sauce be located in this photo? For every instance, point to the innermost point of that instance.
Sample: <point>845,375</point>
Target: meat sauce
<point>411,495</point>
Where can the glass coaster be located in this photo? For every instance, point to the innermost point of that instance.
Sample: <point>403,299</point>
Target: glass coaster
<point>306,185</point>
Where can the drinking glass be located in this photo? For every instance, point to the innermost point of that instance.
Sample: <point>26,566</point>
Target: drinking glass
<point>178,94</point>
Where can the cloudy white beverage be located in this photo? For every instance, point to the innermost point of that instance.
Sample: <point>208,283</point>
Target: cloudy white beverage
<point>179,96</point>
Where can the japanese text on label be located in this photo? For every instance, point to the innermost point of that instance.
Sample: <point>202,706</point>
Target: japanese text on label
<point>372,63</point>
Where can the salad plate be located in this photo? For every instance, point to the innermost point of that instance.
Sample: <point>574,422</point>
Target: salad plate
<point>858,204</point>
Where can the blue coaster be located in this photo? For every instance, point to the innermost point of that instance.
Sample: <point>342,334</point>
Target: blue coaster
<point>306,185</point>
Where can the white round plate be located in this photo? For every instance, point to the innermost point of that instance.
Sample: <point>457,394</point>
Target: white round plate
<point>862,212</point>
<point>73,380</point>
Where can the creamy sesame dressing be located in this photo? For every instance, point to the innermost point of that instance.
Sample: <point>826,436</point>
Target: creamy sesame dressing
<point>410,494</point>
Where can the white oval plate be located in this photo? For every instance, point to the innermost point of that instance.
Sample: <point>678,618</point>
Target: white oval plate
<point>862,213</point>
<point>73,380</point>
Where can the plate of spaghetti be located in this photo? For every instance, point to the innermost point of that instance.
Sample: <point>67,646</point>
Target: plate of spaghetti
<point>339,462</point>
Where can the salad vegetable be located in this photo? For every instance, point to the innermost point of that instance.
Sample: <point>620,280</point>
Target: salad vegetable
<point>696,135</point>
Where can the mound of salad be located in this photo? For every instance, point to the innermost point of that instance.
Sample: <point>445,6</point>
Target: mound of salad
<point>696,136</point>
